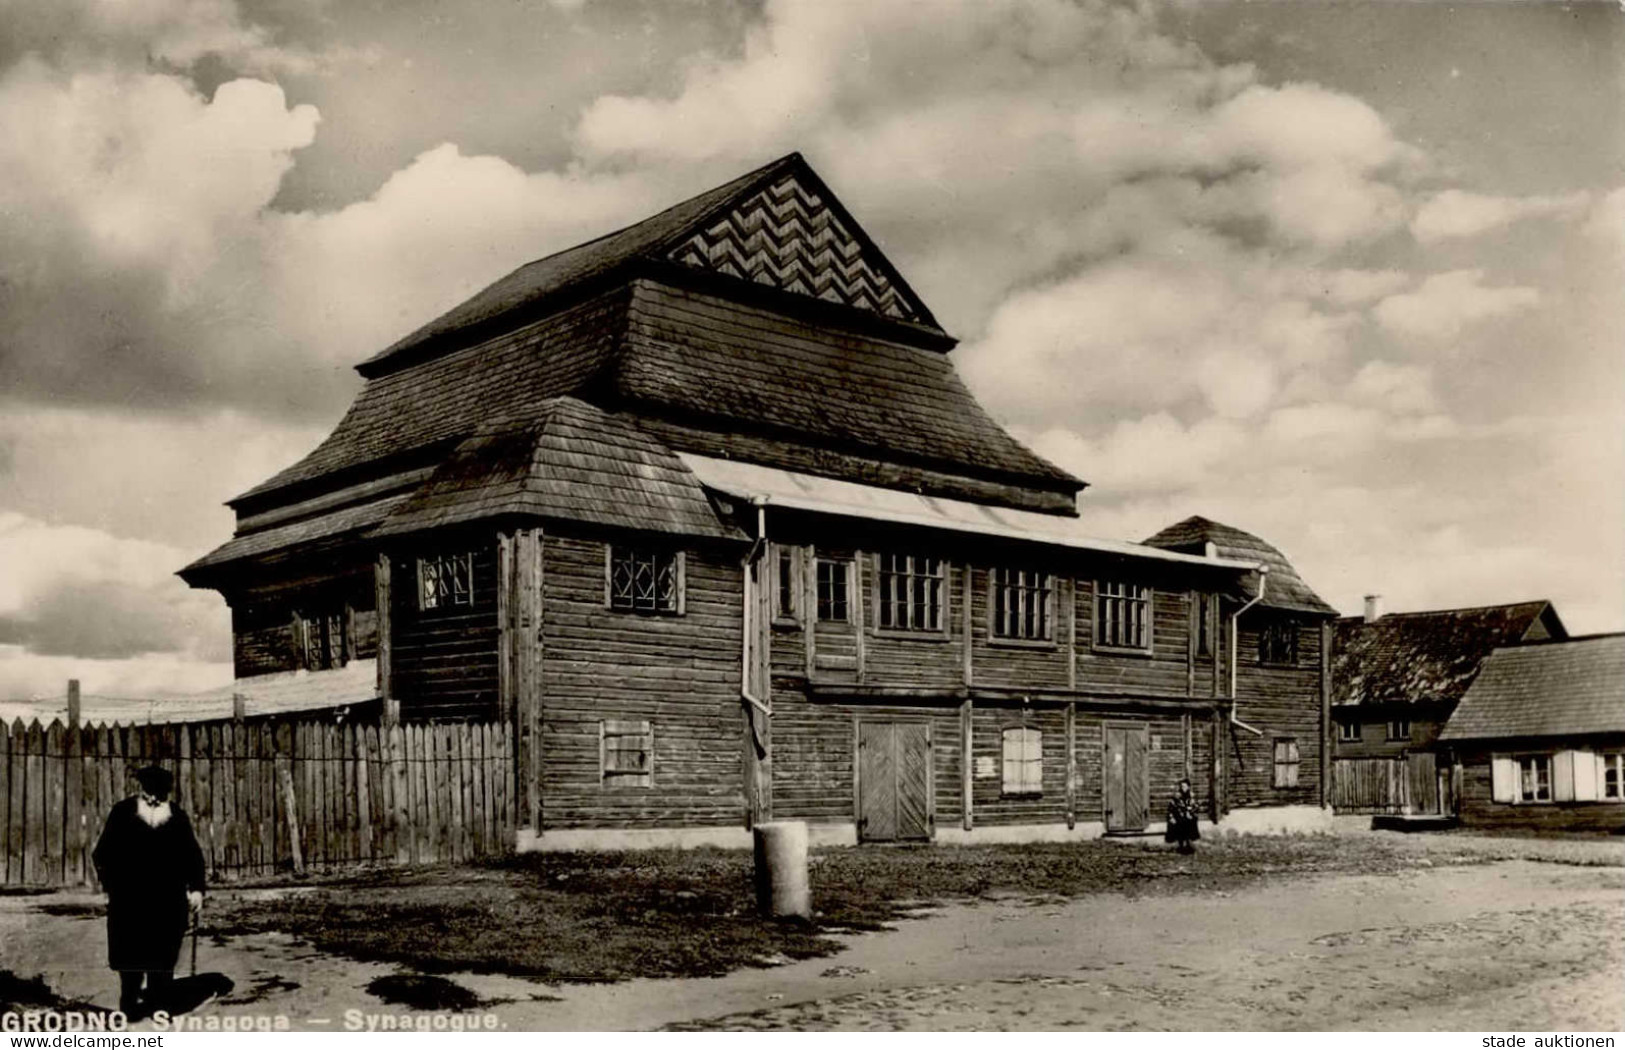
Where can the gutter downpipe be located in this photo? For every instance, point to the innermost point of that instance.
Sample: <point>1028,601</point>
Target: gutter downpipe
<point>1235,620</point>
<point>747,650</point>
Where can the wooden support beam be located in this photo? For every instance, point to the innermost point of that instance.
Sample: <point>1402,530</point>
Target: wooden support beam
<point>1216,785</point>
<point>858,606</point>
<point>526,611</point>
<point>1071,585</point>
<point>1071,765</point>
<point>73,703</point>
<point>1192,627</point>
<point>239,707</point>
<point>967,758</point>
<point>965,624</point>
<point>507,704</point>
<point>809,605</point>
<point>1326,744</point>
<point>381,582</point>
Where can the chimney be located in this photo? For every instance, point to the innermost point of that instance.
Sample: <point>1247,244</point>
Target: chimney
<point>1373,608</point>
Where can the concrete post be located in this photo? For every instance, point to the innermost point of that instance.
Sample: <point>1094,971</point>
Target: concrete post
<point>781,870</point>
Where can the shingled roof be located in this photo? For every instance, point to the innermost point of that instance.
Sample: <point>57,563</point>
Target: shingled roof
<point>572,461</point>
<point>699,332</point>
<point>777,226</point>
<point>1569,688</point>
<point>1285,588</point>
<point>1430,656</point>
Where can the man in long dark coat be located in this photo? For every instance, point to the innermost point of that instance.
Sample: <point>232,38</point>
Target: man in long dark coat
<point>149,863</point>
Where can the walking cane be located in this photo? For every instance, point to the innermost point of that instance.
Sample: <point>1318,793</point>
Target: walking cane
<point>197,915</point>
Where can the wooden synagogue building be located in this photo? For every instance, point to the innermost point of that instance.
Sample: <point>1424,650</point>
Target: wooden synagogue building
<point>702,510</point>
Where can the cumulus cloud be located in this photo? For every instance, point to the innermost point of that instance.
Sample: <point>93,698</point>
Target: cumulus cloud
<point>1446,304</point>
<point>173,32</point>
<point>1457,213</point>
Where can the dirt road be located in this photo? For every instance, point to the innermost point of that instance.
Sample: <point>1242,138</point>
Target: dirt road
<point>1511,945</point>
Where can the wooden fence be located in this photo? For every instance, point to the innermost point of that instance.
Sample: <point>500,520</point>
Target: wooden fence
<point>263,797</point>
<point>1409,783</point>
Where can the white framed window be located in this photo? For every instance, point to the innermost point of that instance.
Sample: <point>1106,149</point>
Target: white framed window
<point>1286,762</point>
<point>643,580</point>
<point>1022,605</point>
<point>1534,778</point>
<point>446,581</point>
<point>626,753</point>
<point>1348,732</point>
<point>1122,616</point>
<point>1278,642</point>
<point>834,589</point>
<point>1399,729</point>
<point>1611,776</point>
<point>911,592</point>
<point>1023,761</point>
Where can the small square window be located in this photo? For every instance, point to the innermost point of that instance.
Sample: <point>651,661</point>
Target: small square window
<point>1348,732</point>
<point>1023,761</point>
<point>911,592</point>
<point>1534,778</point>
<point>834,590</point>
<point>1613,775</point>
<point>446,581</point>
<point>626,754</point>
<point>1021,604</point>
<point>1278,643</point>
<point>1399,729</point>
<point>644,580</point>
<point>1286,762</point>
<point>1122,616</point>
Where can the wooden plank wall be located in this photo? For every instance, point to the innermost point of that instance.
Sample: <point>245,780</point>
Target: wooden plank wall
<point>264,797</point>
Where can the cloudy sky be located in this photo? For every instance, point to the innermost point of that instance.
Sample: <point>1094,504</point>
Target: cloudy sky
<point>1342,274</point>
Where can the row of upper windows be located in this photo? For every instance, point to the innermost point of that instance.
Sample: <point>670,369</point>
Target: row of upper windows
<point>1351,731</point>
<point>911,593</point>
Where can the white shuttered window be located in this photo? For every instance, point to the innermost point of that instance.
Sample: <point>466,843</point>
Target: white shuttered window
<point>1023,761</point>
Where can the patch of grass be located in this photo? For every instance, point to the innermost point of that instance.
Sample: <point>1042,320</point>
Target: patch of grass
<point>614,916</point>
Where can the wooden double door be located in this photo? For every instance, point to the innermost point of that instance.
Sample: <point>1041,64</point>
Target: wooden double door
<point>894,781</point>
<point>1128,786</point>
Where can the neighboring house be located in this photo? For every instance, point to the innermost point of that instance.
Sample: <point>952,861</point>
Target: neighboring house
<point>1539,739</point>
<point>1397,677</point>
<point>702,509</point>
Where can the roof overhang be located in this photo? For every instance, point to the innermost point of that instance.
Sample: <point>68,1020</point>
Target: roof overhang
<point>791,490</point>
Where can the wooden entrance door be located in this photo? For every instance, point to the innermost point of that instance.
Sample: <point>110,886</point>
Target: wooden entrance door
<point>894,781</point>
<point>1128,794</point>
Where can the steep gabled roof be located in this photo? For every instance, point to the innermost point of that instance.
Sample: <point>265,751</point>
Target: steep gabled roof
<point>777,226</point>
<point>1568,688</point>
<point>1428,656</point>
<point>569,461</point>
<point>1285,589</point>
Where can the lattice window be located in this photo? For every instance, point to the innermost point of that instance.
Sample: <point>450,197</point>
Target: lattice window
<point>1122,616</point>
<point>626,753</point>
<point>446,581</point>
<point>834,583</point>
<point>645,580</point>
<point>1021,604</point>
<point>1278,642</point>
<point>1613,775</point>
<point>1348,732</point>
<point>1399,729</point>
<point>911,592</point>
<point>1023,761</point>
<point>1286,762</point>
<point>322,636</point>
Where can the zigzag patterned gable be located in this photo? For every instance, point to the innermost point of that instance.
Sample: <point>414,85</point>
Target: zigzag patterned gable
<point>787,237</point>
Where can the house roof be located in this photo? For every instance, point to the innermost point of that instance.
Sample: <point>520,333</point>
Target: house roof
<point>571,461</point>
<point>1425,656</point>
<point>1285,589</point>
<point>691,346</point>
<point>777,226</point>
<point>1567,688</point>
<point>804,492</point>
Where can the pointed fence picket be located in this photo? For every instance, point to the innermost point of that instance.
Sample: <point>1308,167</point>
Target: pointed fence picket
<point>263,797</point>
